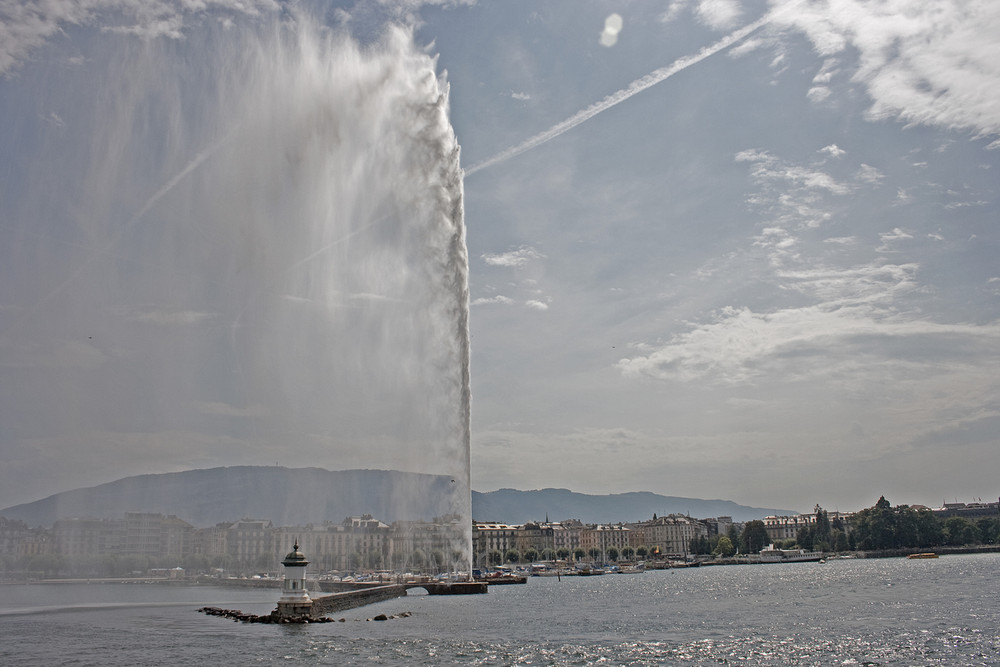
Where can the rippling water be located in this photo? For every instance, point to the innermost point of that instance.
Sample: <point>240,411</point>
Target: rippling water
<point>851,612</point>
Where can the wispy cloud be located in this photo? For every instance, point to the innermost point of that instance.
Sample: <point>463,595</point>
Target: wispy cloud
<point>513,258</point>
<point>27,24</point>
<point>929,63</point>
<point>718,14</point>
<point>498,299</point>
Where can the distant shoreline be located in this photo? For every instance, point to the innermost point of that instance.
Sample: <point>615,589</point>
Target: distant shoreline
<point>202,580</point>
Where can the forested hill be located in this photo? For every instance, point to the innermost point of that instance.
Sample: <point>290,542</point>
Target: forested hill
<point>288,496</point>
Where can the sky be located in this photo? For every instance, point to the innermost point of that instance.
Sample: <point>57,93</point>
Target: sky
<point>717,249</point>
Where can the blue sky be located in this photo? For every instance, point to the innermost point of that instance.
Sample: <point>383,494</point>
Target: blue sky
<point>768,273</point>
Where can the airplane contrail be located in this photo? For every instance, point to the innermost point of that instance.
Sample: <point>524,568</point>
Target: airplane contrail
<point>616,98</point>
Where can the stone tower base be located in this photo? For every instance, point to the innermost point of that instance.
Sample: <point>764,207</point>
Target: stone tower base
<point>294,609</point>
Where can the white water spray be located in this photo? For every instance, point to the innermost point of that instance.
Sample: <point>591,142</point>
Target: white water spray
<point>249,247</point>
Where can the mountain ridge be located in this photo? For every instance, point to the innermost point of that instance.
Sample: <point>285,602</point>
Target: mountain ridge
<point>297,496</point>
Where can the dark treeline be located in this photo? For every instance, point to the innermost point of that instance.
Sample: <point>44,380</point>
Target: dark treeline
<point>875,528</point>
<point>902,527</point>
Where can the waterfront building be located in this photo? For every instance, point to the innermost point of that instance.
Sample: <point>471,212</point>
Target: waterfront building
<point>249,543</point>
<point>142,534</point>
<point>77,537</point>
<point>604,537</point>
<point>488,537</point>
<point>787,527</point>
<point>669,535</point>
<point>534,536</point>
<point>12,532</point>
<point>968,510</point>
<point>176,537</point>
<point>211,542</point>
<point>566,535</point>
<point>719,525</point>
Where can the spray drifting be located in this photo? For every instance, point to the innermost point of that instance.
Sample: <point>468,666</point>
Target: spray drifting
<point>297,290</point>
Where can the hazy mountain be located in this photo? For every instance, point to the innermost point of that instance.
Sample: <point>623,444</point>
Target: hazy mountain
<point>513,506</point>
<point>297,496</point>
<point>285,496</point>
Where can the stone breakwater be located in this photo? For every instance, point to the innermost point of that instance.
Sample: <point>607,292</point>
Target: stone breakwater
<point>336,602</point>
<point>313,611</point>
<point>274,617</point>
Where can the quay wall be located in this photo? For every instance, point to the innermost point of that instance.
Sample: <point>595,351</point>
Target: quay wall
<point>329,604</point>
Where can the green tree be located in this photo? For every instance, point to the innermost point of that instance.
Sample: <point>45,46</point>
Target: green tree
<point>821,530</point>
<point>594,553</point>
<point>989,530</point>
<point>530,555</point>
<point>724,547</point>
<point>840,542</point>
<point>579,553</point>
<point>628,553</point>
<point>805,538</point>
<point>495,557</point>
<point>735,535</point>
<point>613,555</point>
<point>642,552</point>
<point>548,554</point>
<point>700,545</point>
<point>960,531</point>
<point>562,553</point>
<point>513,555</point>
<point>754,537</point>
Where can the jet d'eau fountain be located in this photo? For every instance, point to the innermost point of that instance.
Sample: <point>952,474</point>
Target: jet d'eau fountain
<point>242,246</point>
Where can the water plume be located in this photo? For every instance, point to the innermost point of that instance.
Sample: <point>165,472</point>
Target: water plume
<point>243,247</point>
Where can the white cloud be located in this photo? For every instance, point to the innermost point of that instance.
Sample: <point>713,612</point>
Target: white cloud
<point>791,194</point>
<point>513,258</point>
<point>674,10</point>
<point>27,24</point>
<point>834,341</point>
<point>817,94</point>
<point>718,14</point>
<point>888,238</point>
<point>869,174</point>
<point>500,299</point>
<point>833,150</point>
<point>933,62</point>
<point>534,304</point>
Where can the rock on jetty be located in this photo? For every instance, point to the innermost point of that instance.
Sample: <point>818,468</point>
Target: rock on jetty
<point>273,617</point>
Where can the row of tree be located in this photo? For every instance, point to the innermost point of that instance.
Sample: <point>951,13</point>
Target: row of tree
<point>875,528</point>
<point>530,555</point>
<point>886,527</point>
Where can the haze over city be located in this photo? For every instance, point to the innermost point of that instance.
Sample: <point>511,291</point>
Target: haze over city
<point>717,249</point>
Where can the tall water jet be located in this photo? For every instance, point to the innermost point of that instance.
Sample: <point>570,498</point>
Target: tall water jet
<point>243,247</point>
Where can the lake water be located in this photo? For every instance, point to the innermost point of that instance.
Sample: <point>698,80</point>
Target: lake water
<point>844,612</point>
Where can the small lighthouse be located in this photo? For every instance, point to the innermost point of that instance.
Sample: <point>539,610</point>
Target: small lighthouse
<point>294,599</point>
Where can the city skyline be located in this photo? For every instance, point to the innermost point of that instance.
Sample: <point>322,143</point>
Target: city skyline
<point>716,249</point>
